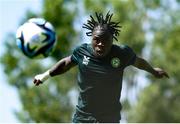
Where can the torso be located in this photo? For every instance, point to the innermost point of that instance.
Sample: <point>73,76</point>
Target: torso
<point>100,80</point>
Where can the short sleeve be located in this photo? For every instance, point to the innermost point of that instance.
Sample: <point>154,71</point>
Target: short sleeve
<point>130,56</point>
<point>75,55</point>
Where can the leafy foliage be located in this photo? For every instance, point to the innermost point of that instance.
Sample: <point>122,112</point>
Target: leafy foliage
<point>50,102</point>
<point>159,101</point>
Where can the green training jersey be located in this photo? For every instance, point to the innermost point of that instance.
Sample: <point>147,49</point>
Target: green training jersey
<point>100,79</point>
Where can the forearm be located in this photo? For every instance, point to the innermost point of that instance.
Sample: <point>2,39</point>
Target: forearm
<point>144,65</point>
<point>61,67</point>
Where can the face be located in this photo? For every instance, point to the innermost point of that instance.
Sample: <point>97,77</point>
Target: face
<point>101,42</point>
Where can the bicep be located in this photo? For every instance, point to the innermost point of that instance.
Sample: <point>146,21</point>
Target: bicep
<point>69,62</point>
<point>140,63</point>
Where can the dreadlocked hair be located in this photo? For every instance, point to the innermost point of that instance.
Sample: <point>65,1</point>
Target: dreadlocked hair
<point>113,27</point>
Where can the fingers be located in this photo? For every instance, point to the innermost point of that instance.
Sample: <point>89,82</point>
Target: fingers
<point>162,74</point>
<point>37,82</point>
<point>166,75</point>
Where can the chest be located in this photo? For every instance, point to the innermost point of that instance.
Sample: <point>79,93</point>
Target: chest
<point>106,67</point>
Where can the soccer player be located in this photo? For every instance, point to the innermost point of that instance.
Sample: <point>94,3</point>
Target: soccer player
<point>101,65</point>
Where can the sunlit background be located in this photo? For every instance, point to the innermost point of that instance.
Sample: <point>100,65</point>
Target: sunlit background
<point>11,12</point>
<point>151,28</point>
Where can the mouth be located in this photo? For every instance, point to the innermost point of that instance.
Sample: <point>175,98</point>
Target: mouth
<point>99,53</point>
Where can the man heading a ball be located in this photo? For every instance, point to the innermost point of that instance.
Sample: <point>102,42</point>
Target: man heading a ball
<point>101,65</point>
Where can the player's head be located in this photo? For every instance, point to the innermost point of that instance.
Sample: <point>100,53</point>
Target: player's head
<point>103,31</point>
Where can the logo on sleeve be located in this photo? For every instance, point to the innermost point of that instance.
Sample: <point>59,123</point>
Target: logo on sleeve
<point>115,62</point>
<point>85,60</point>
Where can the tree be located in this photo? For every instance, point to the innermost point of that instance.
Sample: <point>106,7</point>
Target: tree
<point>159,101</point>
<point>48,102</point>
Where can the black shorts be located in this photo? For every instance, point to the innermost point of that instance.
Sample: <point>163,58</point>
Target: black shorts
<point>81,117</point>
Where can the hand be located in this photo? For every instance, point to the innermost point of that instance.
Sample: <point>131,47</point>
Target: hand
<point>37,80</point>
<point>159,73</point>
<point>40,78</point>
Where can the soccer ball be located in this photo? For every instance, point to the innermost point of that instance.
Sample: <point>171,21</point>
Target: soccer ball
<point>36,38</point>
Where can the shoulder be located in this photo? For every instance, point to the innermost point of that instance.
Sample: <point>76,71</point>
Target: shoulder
<point>81,47</point>
<point>78,52</point>
<point>124,51</point>
<point>126,54</point>
<point>122,48</point>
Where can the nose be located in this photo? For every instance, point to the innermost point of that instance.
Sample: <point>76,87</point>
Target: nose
<point>100,44</point>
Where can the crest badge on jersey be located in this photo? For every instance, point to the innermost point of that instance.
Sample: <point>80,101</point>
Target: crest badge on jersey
<point>115,62</point>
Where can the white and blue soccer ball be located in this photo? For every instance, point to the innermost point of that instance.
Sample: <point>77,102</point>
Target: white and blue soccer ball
<point>36,37</point>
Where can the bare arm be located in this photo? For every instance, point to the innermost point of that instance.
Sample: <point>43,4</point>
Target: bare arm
<point>62,66</point>
<point>59,68</point>
<point>144,65</point>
